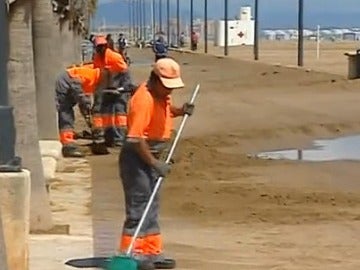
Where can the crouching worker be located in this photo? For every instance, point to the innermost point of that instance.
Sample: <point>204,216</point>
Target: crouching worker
<point>76,86</point>
<point>149,129</point>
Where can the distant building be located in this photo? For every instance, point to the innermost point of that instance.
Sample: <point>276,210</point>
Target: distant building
<point>282,35</point>
<point>211,29</point>
<point>240,32</point>
<point>268,35</point>
<point>351,36</point>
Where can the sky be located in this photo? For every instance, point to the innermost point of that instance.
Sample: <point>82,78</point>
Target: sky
<point>272,13</point>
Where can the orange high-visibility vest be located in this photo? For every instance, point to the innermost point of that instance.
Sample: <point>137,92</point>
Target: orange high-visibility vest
<point>89,77</point>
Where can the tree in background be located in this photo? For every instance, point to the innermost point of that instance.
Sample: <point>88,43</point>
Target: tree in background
<point>35,58</point>
<point>47,64</point>
<point>73,17</point>
<point>3,258</point>
<point>21,80</point>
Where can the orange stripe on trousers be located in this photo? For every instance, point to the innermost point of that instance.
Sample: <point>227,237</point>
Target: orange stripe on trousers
<point>147,245</point>
<point>67,136</point>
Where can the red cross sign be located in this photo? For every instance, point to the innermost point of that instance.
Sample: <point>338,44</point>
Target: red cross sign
<point>241,34</point>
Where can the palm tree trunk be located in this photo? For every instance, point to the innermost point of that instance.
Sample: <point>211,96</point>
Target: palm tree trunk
<point>57,43</point>
<point>46,61</point>
<point>67,43</point>
<point>3,257</point>
<point>77,47</point>
<point>23,96</point>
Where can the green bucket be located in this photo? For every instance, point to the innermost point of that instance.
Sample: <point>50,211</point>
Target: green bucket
<point>121,262</point>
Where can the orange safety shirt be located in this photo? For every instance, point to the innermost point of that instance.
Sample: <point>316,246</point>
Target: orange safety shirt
<point>88,65</point>
<point>112,60</point>
<point>148,117</point>
<point>89,77</point>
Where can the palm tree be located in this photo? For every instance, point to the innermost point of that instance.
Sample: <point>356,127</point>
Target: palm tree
<point>92,6</point>
<point>67,43</point>
<point>73,15</point>
<point>91,9</point>
<point>68,36</point>
<point>77,21</point>
<point>46,64</point>
<point>23,97</point>
<point>3,257</point>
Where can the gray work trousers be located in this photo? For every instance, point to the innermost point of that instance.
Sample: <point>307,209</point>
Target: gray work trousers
<point>138,180</point>
<point>115,105</point>
<point>67,94</point>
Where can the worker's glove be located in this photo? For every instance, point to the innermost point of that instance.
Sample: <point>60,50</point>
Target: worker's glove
<point>85,106</point>
<point>188,108</point>
<point>162,168</point>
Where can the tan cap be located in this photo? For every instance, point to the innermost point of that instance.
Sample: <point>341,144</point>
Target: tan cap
<point>169,73</point>
<point>100,40</point>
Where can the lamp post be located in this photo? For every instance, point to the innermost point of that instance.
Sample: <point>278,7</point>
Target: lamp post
<point>135,10</point>
<point>8,161</point>
<point>133,5</point>
<point>256,34</point>
<point>191,23</point>
<point>153,18</point>
<point>141,11</point>
<point>138,9</point>
<point>301,34</point>
<point>144,20</point>
<point>168,20</point>
<point>130,19</point>
<point>226,30</point>
<point>206,26</point>
<point>178,22</point>
<point>160,16</point>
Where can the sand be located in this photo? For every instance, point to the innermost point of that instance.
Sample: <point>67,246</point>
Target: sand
<point>222,209</point>
<point>331,56</point>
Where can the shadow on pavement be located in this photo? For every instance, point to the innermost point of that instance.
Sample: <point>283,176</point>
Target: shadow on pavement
<point>107,204</point>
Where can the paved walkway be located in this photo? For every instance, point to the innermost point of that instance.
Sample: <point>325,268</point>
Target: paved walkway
<point>70,197</point>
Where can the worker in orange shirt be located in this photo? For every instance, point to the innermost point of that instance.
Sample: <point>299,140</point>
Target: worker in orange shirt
<point>105,57</point>
<point>75,86</point>
<point>113,107</point>
<point>150,125</point>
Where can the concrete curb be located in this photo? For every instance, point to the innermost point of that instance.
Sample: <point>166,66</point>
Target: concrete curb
<point>49,167</point>
<point>50,148</point>
<point>71,197</point>
<point>15,191</point>
<point>51,157</point>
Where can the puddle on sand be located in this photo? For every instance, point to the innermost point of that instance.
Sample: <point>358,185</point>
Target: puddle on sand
<point>343,148</point>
